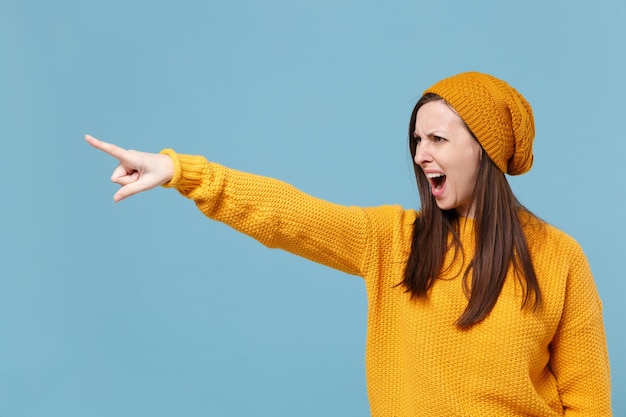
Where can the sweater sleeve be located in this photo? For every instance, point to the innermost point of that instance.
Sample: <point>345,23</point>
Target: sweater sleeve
<point>274,213</point>
<point>579,356</point>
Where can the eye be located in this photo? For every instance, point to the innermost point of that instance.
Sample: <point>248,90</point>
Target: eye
<point>438,139</point>
<point>417,139</point>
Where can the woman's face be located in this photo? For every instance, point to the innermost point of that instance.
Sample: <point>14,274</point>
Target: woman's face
<point>448,155</point>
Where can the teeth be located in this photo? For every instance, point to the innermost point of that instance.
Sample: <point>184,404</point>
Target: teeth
<point>435,175</point>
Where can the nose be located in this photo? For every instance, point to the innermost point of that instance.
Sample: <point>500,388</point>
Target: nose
<point>422,155</point>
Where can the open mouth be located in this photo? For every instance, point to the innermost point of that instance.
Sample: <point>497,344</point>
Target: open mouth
<point>437,180</point>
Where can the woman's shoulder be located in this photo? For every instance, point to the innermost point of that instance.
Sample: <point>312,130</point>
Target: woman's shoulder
<point>391,223</point>
<point>543,236</point>
<point>394,215</point>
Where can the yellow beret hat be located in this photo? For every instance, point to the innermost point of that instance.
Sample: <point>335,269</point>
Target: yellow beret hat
<point>499,116</point>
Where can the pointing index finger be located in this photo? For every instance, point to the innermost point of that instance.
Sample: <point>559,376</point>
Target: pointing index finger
<point>109,148</point>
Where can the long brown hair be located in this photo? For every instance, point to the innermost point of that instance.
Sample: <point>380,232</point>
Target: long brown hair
<point>499,239</point>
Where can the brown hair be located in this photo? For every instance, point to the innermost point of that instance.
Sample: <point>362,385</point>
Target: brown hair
<point>499,239</point>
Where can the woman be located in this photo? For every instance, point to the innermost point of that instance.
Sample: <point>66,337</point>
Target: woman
<point>476,306</point>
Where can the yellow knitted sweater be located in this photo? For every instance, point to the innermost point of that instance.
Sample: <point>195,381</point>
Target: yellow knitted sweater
<point>515,363</point>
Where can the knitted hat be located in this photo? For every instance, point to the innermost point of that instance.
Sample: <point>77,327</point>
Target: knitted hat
<point>500,118</point>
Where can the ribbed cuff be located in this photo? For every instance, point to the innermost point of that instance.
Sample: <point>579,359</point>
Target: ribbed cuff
<point>188,170</point>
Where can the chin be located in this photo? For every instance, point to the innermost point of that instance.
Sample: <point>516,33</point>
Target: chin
<point>446,207</point>
<point>461,211</point>
<point>445,204</point>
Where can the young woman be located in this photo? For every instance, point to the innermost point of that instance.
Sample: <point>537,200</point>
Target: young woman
<point>476,306</point>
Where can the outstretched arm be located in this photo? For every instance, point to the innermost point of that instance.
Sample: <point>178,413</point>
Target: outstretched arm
<point>137,171</point>
<point>273,212</point>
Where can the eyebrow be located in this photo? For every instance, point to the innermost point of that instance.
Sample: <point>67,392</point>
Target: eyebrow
<point>430,134</point>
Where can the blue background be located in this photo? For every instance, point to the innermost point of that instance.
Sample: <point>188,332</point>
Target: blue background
<point>145,307</point>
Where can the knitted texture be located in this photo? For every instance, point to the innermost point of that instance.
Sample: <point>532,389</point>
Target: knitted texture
<point>516,362</point>
<point>499,116</point>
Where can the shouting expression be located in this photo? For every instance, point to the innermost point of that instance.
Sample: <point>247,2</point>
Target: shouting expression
<point>448,155</point>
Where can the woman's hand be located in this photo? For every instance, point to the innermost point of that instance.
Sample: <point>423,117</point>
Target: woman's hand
<point>137,171</point>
